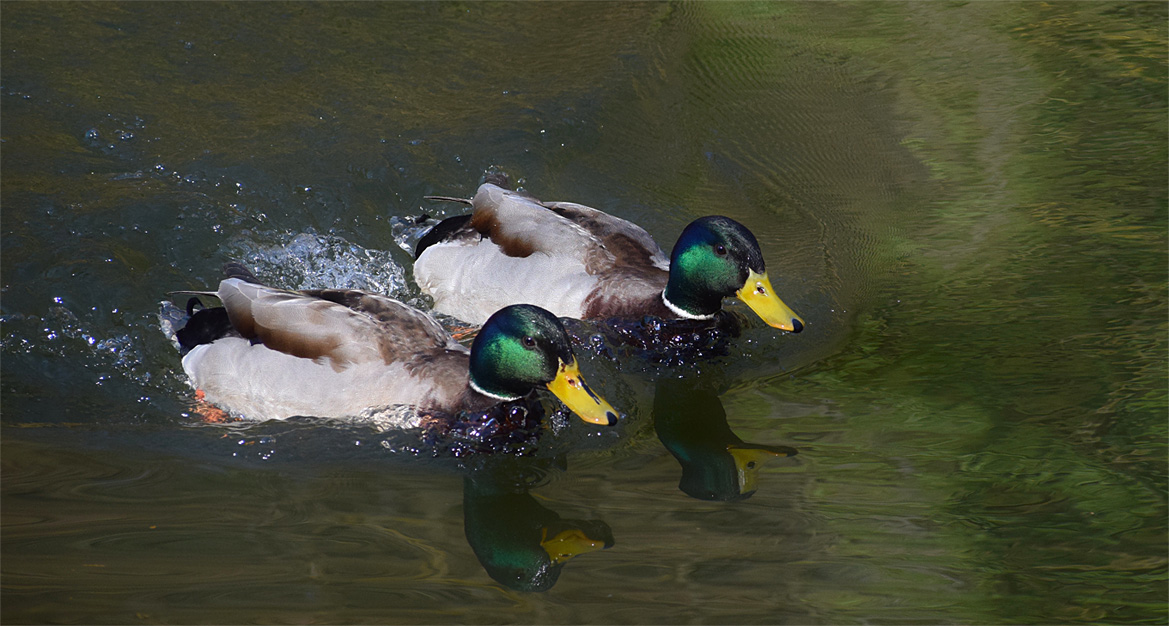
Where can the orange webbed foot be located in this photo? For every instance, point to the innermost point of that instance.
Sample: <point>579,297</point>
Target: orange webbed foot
<point>209,413</point>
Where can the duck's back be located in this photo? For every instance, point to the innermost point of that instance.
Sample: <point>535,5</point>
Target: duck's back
<point>327,353</point>
<point>561,256</point>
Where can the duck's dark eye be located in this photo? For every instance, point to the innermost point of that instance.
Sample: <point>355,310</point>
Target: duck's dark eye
<point>529,341</point>
<point>720,250</point>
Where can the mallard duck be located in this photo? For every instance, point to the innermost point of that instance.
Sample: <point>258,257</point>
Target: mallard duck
<point>269,353</point>
<point>716,463</point>
<point>579,262</point>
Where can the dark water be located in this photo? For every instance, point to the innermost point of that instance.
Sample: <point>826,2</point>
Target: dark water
<point>966,202</point>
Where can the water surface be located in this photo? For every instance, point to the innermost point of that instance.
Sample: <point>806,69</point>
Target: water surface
<point>966,202</point>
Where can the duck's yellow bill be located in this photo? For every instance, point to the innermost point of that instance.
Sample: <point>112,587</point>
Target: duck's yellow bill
<point>567,544</point>
<point>758,294</point>
<point>570,387</point>
<point>748,460</point>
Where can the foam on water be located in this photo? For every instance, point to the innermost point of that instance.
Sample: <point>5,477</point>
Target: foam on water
<point>313,261</point>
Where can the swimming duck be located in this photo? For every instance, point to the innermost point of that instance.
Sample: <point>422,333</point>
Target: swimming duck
<point>578,262</point>
<point>269,353</point>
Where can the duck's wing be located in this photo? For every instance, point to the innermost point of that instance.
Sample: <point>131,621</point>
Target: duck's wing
<point>521,226</point>
<point>399,322</point>
<point>632,286</point>
<point>629,244</point>
<point>570,259</point>
<point>342,327</point>
<point>510,250</point>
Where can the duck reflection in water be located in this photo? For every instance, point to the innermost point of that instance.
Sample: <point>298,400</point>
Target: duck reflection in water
<point>521,543</point>
<point>716,464</point>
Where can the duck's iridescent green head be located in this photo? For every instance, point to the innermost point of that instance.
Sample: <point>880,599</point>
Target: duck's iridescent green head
<point>716,257</point>
<point>522,347</point>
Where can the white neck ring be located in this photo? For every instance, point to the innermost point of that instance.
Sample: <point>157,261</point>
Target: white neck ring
<point>679,312</point>
<point>483,391</point>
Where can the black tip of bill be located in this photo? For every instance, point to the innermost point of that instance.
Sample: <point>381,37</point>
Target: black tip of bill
<point>797,326</point>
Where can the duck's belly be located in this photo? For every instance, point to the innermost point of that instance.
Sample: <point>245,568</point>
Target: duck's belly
<point>257,383</point>
<point>471,282</point>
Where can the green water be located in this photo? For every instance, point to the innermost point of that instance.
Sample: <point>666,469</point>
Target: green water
<point>966,202</point>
